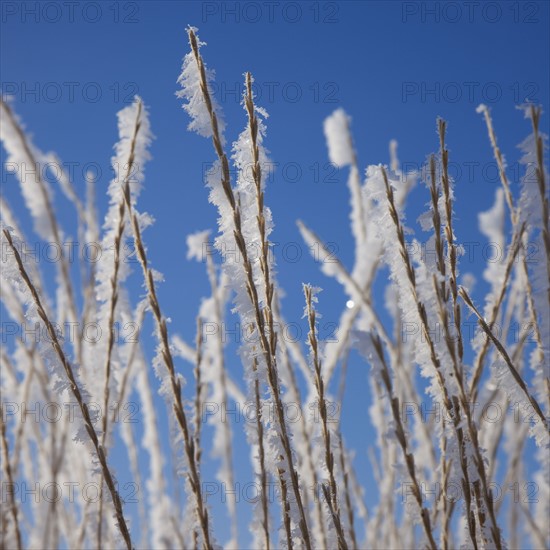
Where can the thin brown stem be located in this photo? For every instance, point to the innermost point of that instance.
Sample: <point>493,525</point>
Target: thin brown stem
<point>451,406</point>
<point>501,349</point>
<point>395,407</point>
<point>50,213</point>
<point>263,471</point>
<point>199,389</point>
<point>109,479</point>
<point>449,235</point>
<point>268,344</point>
<point>320,387</point>
<point>513,251</point>
<point>349,507</point>
<point>112,310</point>
<point>166,352</point>
<point>500,162</point>
<point>9,476</point>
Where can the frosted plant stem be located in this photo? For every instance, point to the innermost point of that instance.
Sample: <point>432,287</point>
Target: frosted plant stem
<point>500,162</point>
<point>532,308</point>
<point>131,360</point>
<point>264,260</point>
<point>448,508</point>
<point>56,231</point>
<point>514,220</point>
<point>357,493</point>
<point>286,508</point>
<point>464,404</point>
<point>293,387</point>
<point>451,406</point>
<point>320,387</point>
<point>112,308</point>
<point>199,390</point>
<point>436,219</point>
<point>539,535</point>
<point>442,292</point>
<point>52,525</point>
<point>68,189</point>
<point>114,279</point>
<point>449,235</point>
<point>175,384</point>
<point>263,472</point>
<point>268,346</point>
<point>512,466</point>
<point>9,477</point>
<point>349,506</point>
<point>402,440</point>
<point>77,394</point>
<point>480,358</point>
<point>535,116</point>
<point>541,181</point>
<point>215,288</point>
<point>513,370</point>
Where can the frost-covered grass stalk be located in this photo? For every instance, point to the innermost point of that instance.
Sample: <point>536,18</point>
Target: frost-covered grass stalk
<point>475,473</point>
<point>332,491</point>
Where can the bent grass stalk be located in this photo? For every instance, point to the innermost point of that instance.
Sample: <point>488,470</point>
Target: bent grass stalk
<point>52,219</point>
<point>513,251</point>
<point>109,479</point>
<point>502,350</point>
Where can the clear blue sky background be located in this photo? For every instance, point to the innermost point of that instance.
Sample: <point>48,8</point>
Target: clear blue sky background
<point>394,66</point>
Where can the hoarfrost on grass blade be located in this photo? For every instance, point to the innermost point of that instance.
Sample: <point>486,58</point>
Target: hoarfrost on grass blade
<point>338,138</point>
<point>191,92</point>
<point>24,156</point>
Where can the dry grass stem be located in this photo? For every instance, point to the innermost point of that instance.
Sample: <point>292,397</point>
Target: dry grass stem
<point>501,349</point>
<point>267,343</point>
<point>175,384</point>
<point>109,479</point>
<point>320,387</point>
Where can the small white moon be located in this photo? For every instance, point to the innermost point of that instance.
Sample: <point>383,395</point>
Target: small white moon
<point>350,304</point>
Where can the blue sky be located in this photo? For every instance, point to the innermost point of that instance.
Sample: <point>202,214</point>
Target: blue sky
<point>394,66</point>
